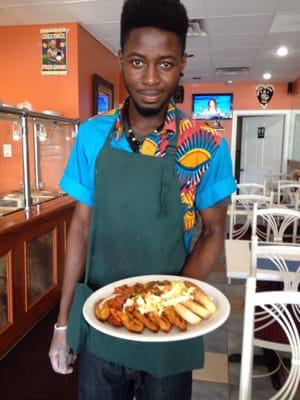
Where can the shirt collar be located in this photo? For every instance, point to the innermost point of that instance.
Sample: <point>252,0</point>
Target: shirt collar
<point>169,125</point>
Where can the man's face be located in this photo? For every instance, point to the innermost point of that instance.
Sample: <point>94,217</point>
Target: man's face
<point>152,62</point>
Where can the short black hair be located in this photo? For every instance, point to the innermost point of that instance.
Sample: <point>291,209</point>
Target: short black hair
<point>169,15</point>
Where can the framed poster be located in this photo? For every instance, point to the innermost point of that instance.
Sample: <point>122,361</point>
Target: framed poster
<point>54,51</point>
<point>103,95</point>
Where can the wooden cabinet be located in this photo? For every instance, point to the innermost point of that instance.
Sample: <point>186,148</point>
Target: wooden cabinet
<point>32,253</point>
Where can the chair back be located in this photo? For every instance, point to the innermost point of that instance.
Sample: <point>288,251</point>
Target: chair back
<point>275,304</point>
<point>240,213</point>
<point>281,183</point>
<point>290,194</point>
<point>252,188</point>
<point>282,223</point>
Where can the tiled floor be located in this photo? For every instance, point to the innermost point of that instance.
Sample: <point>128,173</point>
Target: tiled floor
<point>219,380</point>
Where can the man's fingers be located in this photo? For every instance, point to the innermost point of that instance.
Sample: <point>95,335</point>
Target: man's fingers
<point>59,363</point>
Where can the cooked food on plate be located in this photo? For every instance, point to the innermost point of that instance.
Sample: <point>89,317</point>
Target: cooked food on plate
<point>155,305</point>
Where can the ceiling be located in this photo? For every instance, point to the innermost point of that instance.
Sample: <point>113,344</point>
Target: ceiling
<point>239,33</point>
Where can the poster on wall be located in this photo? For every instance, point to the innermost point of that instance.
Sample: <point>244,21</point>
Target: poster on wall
<point>264,94</point>
<point>54,51</point>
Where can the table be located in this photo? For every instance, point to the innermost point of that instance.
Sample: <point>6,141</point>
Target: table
<point>238,256</point>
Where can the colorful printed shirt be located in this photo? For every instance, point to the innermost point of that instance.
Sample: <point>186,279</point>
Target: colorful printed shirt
<point>203,162</point>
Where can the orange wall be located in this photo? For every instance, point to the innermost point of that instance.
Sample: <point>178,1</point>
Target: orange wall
<point>20,70</point>
<point>296,96</point>
<point>94,58</point>
<point>244,97</point>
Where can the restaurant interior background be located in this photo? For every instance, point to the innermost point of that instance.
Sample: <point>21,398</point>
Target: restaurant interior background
<point>237,35</point>
<point>231,44</point>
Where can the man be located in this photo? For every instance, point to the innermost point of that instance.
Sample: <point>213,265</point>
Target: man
<point>140,174</point>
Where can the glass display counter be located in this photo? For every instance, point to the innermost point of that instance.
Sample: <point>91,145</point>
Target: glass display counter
<point>35,148</point>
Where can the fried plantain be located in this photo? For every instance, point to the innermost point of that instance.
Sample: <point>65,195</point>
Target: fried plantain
<point>152,326</point>
<point>175,318</point>
<point>163,323</point>
<point>102,310</point>
<point>130,322</point>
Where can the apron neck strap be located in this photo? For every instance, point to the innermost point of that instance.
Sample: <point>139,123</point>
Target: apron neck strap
<point>172,145</point>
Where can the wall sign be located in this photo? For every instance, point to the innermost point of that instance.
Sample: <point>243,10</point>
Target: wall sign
<point>261,132</point>
<point>54,51</point>
<point>264,94</point>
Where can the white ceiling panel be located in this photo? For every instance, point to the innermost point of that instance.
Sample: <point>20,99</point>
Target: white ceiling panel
<point>204,64</point>
<point>286,23</point>
<point>199,54</point>
<point>8,18</point>
<point>275,40</point>
<point>236,41</point>
<point>233,62</point>
<point>233,53</point>
<point>113,44</point>
<point>21,3</point>
<point>105,30</point>
<point>196,42</point>
<point>225,8</point>
<point>195,9</point>
<point>236,25</point>
<point>285,6</point>
<point>238,31</point>
<point>39,14</point>
<point>96,12</point>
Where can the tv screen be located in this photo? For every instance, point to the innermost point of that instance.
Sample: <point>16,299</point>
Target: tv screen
<point>102,103</point>
<point>212,106</point>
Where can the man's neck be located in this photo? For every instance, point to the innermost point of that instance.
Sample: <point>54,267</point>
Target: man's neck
<point>143,125</point>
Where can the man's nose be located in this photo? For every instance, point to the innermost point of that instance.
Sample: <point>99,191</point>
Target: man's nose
<point>151,76</point>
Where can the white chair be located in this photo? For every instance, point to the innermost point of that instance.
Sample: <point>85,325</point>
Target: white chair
<point>272,180</point>
<point>240,214</point>
<point>274,304</point>
<point>282,261</point>
<point>281,183</point>
<point>252,188</point>
<point>290,193</point>
<point>280,222</point>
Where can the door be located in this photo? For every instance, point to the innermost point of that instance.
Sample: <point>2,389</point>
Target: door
<point>296,139</point>
<point>261,147</point>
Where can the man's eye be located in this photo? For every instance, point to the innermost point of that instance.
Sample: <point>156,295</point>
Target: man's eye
<point>137,63</point>
<point>166,65</point>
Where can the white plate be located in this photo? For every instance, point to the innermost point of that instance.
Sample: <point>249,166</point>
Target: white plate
<point>204,327</point>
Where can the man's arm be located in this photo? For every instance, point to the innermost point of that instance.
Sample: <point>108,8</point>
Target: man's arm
<point>209,246</point>
<point>75,258</point>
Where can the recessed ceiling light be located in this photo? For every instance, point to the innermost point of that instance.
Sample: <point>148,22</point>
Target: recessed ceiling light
<point>267,75</point>
<point>282,51</point>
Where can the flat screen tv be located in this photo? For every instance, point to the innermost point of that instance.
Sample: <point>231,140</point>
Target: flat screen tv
<point>212,106</point>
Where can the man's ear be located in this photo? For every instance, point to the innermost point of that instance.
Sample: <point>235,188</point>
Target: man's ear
<point>183,63</point>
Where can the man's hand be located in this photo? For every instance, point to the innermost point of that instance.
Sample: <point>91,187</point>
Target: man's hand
<point>60,355</point>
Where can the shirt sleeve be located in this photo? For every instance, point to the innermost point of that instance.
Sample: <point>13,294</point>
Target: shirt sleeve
<point>218,181</point>
<point>76,180</point>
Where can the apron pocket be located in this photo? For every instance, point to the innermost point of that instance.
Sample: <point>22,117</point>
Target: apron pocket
<point>77,326</point>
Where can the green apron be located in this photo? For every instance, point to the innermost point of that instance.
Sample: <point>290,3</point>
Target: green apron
<point>137,229</point>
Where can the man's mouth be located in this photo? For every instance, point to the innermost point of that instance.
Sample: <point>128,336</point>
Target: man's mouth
<point>150,96</point>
